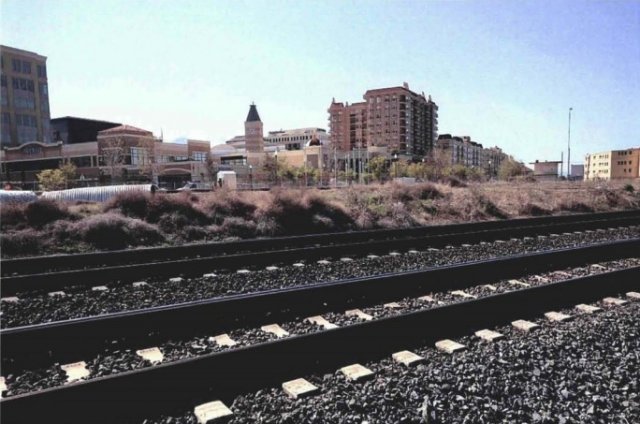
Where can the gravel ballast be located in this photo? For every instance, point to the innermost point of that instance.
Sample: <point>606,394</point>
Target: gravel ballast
<point>119,359</point>
<point>34,308</point>
<point>586,370</point>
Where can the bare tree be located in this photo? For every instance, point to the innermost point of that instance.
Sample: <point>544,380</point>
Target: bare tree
<point>146,160</point>
<point>113,155</point>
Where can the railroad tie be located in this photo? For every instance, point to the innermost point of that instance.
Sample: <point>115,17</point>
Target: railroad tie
<point>275,329</point>
<point>356,372</point>
<point>518,283</point>
<point>489,335</point>
<point>524,325</point>
<point>75,371</point>
<point>319,320</point>
<point>3,386</point>
<point>152,354</point>
<point>298,388</point>
<point>557,316</point>
<point>359,314</point>
<point>613,301</point>
<point>10,299</point>
<point>463,294</point>
<point>223,340</point>
<point>212,412</point>
<point>633,295</point>
<point>587,309</point>
<point>449,346</point>
<point>407,358</point>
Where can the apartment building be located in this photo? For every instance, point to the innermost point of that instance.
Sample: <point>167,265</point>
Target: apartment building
<point>396,118</point>
<point>612,164</point>
<point>24,97</point>
<point>461,150</point>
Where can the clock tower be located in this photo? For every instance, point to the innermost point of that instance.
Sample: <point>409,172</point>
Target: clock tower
<point>253,131</point>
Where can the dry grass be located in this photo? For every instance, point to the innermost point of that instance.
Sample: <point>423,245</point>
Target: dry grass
<point>143,219</point>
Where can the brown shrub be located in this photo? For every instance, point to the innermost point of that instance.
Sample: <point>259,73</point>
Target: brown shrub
<point>531,209</point>
<point>238,227</point>
<point>12,215</point>
<point>42,211</point>
<point>133,203</point>
<point>225,203</point>
<point>294,212</point>
<point>407,193</point>
<point>19,243</point>
<point>454,182</point>
<point>111,231</point>
<point>574,206</point>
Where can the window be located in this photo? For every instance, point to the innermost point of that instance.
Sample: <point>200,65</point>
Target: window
<point>82,161</point>
<point>16,65</point>
<point>139,156</point>
<point>26,67</point>
<point>200,156</point>
<point>42,71</point>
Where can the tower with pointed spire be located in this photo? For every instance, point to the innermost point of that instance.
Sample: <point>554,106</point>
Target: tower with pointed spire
<point>253,131</point>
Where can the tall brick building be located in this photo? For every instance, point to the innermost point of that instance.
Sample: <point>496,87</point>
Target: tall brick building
<point>25,98</point>
<point>397,118</point>
<point>253,131</point>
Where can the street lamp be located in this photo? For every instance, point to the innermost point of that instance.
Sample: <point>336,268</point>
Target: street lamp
<point>276,156</point>
<point>395,164</point>
<point>251,176</point>
<point>569,148</point>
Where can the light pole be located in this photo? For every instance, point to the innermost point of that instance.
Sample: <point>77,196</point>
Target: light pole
<point>395,165</point>
<point>276,156</point>
<point>251,176</point>
<point>569,148</point>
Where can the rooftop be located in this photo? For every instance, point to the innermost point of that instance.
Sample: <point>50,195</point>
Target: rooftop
<point>253,114</point>
<point>125,129</point>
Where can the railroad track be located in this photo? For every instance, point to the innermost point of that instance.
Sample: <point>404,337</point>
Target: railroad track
<point>39,274</point>
<point>50,263</point>
<point>222,375</point>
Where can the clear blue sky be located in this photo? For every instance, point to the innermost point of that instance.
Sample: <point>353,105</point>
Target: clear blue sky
<point>504,72</point>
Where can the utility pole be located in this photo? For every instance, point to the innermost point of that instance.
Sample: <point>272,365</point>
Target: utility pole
<point>569,147</point>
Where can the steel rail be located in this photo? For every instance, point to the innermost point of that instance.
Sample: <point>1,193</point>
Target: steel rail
<point>170,387</point>
<point>52,281</point>
<point>42,264</point>
<point>75,339</point>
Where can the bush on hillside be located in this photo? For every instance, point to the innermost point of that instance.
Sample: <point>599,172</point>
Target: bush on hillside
<point>19,243</point>
<point>110,231</point>
<point>12,215</point>
<point>42,211</point>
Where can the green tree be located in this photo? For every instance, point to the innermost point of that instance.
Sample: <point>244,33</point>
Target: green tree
<point>509,168</point>
<point>51,179</point>
<point>378,167</point>
<point>69,172</point>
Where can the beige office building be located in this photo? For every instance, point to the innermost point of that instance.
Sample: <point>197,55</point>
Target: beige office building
<point>612,165</point>
<point>25,98</point>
